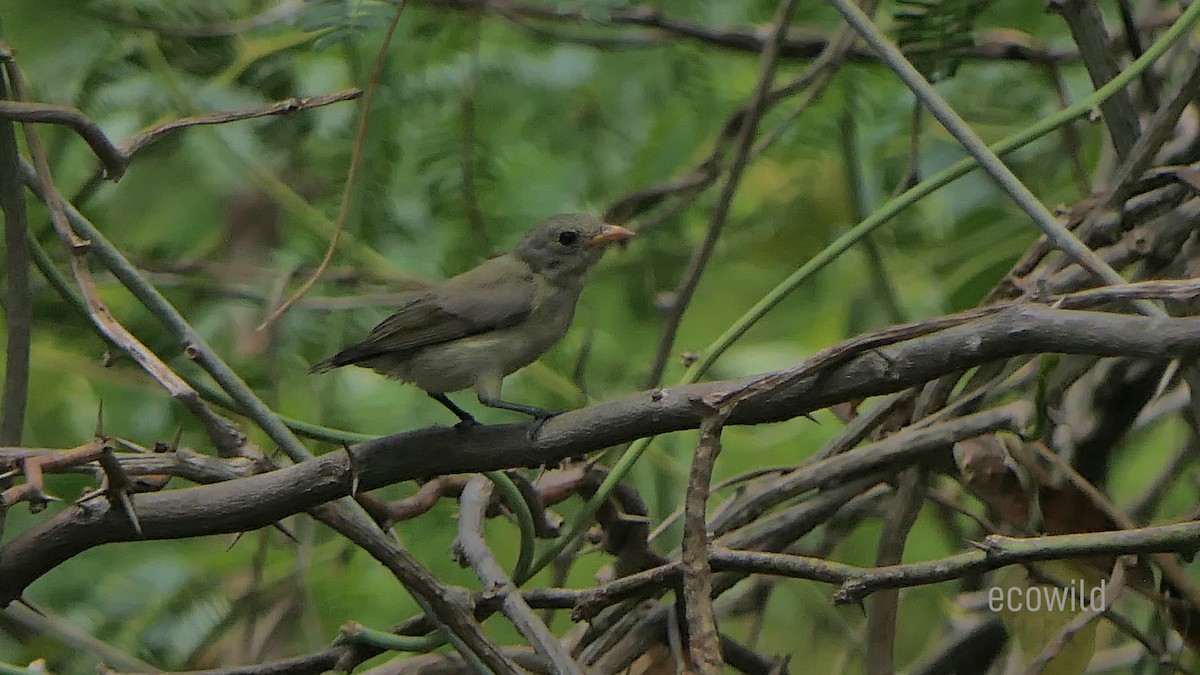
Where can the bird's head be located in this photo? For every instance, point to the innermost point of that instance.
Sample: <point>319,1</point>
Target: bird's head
<point>563,247</point>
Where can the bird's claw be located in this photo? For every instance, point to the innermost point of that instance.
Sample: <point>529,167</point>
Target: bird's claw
<point>467,424</point>
<point>539,419</point>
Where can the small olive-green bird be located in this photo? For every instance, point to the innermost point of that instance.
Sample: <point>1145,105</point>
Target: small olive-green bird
<point>484,324</point>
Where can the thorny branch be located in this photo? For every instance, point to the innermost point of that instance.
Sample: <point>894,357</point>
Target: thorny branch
<point>116,158</point>
<point>262,499</point>
<point>704,650</point>
<point>226,437</point>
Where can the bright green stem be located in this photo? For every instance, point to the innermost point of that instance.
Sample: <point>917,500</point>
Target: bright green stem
<point>359,634</point>
<point>516,501</point>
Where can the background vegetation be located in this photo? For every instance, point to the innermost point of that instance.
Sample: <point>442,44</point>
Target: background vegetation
<point>488,116</point>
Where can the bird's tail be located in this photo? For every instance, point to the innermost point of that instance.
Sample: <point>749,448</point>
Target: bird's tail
<point>347,357</point>
<point>322,367</point>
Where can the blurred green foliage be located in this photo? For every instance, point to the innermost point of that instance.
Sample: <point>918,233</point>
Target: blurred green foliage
<point>216,213</point>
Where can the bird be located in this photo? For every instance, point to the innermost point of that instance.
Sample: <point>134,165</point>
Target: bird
<point>474,329</point>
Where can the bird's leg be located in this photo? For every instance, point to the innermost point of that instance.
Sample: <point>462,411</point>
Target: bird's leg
<point>487,388</point>
<point>465,418</point>
<point>539,415</point>
<point>534,412</point>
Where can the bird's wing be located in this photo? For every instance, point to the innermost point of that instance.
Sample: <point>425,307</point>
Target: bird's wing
<point>497,294</point>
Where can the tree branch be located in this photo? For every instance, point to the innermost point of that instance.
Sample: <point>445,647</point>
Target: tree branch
<point>115,159</point>
<point>471,547</point>
<point>18,304</point>
<point>659,28</point>
<point>261,500</point>
<point>704,650</point>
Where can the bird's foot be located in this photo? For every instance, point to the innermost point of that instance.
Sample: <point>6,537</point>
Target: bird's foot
<point>467,423</point>
<point>539,419</point>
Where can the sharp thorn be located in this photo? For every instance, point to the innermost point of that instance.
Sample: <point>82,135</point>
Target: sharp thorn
<point>89,495</point>
<point>285,531</point>
<point>127,504</point>
<point>236,538</point>
<point>129,445</point>
<point>30,606</point>
<point>100,420</point>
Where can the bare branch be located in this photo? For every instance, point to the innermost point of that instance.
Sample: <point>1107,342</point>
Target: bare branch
<point>1087,28</point>
<point>116,159</point>
<point>883,608</point>
<point>18,305</point>
<point>474,552</point>
<point>997,551</point>
<point>704,650</point>
<point>659,28</point>
<point>143,139</point>
<point>260,500</point>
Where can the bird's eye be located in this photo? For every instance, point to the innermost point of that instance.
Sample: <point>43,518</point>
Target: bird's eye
<point>568,238</point>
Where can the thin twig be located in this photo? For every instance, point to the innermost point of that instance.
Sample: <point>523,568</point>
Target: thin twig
<point>1086,23</point>
<point>1070,135</point>
<point>143,139</point>
<point>884,607</point>
<point>473,550</point>
<point>18,303</point>
<point>901,448</point>
<point>1141,153</point>
<point>743,143</point>
<point>863,199</point>
<point>116,159</point>
<point>360,139</point>
<point>687,188</point>
<point>704,648</point>
<point>994,552</point>
<point>1055,646</point>
<point>658,28</point>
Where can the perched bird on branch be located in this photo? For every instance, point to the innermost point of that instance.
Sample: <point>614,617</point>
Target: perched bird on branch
<point>476,328</point>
